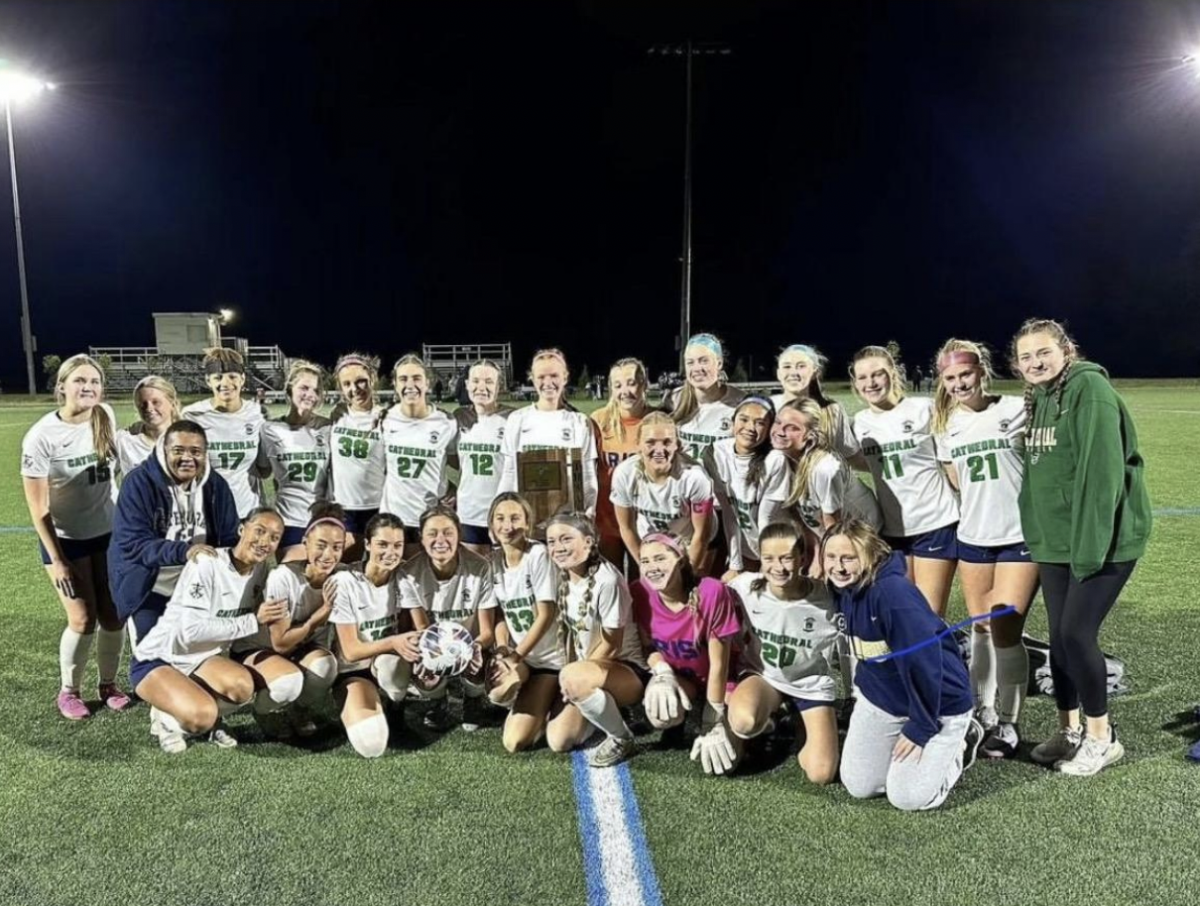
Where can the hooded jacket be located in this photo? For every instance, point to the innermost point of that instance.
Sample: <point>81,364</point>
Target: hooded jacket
<point>1084,500</point>
<point>887,616</point>
<point>144,511</point>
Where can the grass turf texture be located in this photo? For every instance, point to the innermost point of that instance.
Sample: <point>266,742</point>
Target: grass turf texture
<point>94,813</point>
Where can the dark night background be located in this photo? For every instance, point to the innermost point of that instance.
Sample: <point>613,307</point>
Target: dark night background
<point>385,174</point>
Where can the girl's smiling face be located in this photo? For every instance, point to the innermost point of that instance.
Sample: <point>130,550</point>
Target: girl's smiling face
<point>483,385</point>
<point>781,563</point>
<point>790,431</point>
<point>154,408</point>
<point>658,445</point>
<point>625,389</point>
<point>872,380</point>
<point>795,372</point>
<point>258,538</point>
<point>1040,358</point>
<point>659,564</point>
<point>355,383</point>
<point>385,549</point>
<point>439,538</point>
<point>750,427</point>
<point>509,524</point>
<point>701,366</point>
<point>323,547</point>
<point>83,388</point>
<point>963,383</point>
<point>843,562</point>
<point>306,392</point>
<point>549,376</point>
<point>226,387</point>
<point>568,547</point>
<point>411,384</point>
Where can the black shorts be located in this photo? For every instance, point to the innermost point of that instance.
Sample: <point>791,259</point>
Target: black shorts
<point>77,548</point>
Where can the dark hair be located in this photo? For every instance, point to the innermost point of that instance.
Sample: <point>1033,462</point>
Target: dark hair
<point>758,455</point>
<point>326,509</point>
<point>382,521</point>
<point>786,530</point>
<point>185,426</point>
<point>440,509</point>
<point>261,511</point>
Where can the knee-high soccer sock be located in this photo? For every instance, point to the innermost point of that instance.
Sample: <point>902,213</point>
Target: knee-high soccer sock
<point>73,650</point>
<point>983,670</point>
<point>225,707</point>
<point>1012,678</point>
<point>601,709</point>
<point>279,693</point>
<point>318,680</point>
<point>109,643</point>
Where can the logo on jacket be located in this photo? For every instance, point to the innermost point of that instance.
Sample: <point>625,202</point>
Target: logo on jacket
<point>196,591</point>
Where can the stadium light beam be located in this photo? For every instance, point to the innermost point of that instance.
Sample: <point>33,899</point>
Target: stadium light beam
<point>16,87</point>
<point>225,315</point>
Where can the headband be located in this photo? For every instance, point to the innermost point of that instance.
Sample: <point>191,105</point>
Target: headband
<point>324,520</point>
<point>760,401</point>
<point>216,366</point>
<point>957,357</point>
<point>803,349</point>
<point>667,541</point>
<point>709,342</point>
<point>354,360</point>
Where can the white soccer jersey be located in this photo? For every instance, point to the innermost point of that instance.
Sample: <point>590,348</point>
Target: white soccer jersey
<point>288,581</point>
<point>459,598</point>
<point>833,488</point>
<point>298,458</point>
<point>844,440</point>
<point>233,439</point>
<point>664,507</point>
<point>741,516</point>
<point>357,460</point>
<point>81,487</point>
<point>710,423</point>
<point>213,605</point>
<point>531,428</point>
<point>416,462</point>
<point>789,643</point>
<point>373,609</point>
<point>987,450</point>
<point>132,450</point>
<point>518,590</point>
<point>609,606</point>
<point>914,494</point>
<point>480,467</point>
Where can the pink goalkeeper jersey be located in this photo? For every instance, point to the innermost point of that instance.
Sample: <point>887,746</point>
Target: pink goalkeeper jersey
<point>680,638</point>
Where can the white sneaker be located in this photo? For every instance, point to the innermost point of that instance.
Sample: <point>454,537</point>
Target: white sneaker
<point>1093,756</point>
<point>1062,745</point>
<point>170,741</point>
<point>611,752</point>
<point>222,738</point>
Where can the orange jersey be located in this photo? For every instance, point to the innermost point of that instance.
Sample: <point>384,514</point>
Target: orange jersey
<point>612,453</point>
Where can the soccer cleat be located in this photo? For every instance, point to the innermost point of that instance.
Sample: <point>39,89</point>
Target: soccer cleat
<point>438,718</point>
<point>222,738</point>
<point>971,741</point>
<point>473,713</point>
<point>611,752</point>
<point>71,706</point>
<point>1062,744</point>
<point>1001,741</point>
<point>1093,755</point>
<point>987,716</point>
<point>114,699</point>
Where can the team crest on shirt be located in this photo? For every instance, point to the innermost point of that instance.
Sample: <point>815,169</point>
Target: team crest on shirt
<point>433,437</point>
<point>196,591</point>
<point>27,461</point>
<point>839,620</point>
<point>726,424</point>
<point>320,440</point>
<point>808,624</point>
<point>566,435</point>
<point>907,427</point>
<point>500,433</point>
<point>1004,423</point>
<point>249,430</point>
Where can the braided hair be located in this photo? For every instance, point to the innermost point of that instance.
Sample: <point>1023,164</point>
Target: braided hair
<point>1071,355</point>
<point>569,630</point>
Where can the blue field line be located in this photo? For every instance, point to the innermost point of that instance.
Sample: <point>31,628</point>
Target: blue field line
<point>651,895</point>
<point>589,832</point>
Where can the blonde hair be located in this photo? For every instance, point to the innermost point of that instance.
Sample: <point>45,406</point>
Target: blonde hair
<point>896,386</point>
<point>872,550</point>
<point>943,405</point>
<point>1066,343</point>
<point>103,430</point>
<point>817,446</point>
<point>299,367</point>
<point>163,386</point>
<point>609,417</point>
<point>687,403</point>
<point>681,459</point>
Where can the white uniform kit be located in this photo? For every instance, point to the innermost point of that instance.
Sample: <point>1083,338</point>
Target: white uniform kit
<point>914,494</point>
<point>561,429</point>
<point>81,487</point>
<point>357,460</point>
<point>132,449</point>
<point>609,606</point>
<point>373,609</point>
<point>298,457</point>
<point>480,466</point>
<point>833,488</point>
<point>741,501</point>
<point>287,581</point>
<point>416,462</point>
<point>986,449</point>
<point>665,507</point>
<point>213,605</point>
<point>518,590</point>
<point>843,437</point>
<point>710,423</point>
<point>458,598</point>
<point>789,642</point>
<point>233,439</point>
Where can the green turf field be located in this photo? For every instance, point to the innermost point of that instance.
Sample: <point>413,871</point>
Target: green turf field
<point>93,813</point>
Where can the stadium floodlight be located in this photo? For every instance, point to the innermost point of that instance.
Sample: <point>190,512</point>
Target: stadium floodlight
<point>15,87</point>
<point>225,315</point>
<point>1192,62</point>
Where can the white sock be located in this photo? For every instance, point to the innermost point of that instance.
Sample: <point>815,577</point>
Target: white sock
<point>109,643</point>
<point>369,737</point>
<point>983,670</point>
<point>601,709</point>
<point>166,721</point>
<point>318,680</point>
<point>392,673</point>
<point>279,693</point>
<point>1012,678</point>
<point>73,650</point>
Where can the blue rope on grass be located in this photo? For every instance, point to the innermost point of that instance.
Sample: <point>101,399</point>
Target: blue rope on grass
<point>963,624</point>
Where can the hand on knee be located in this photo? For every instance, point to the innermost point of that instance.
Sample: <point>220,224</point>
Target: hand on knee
<point>369,737</point>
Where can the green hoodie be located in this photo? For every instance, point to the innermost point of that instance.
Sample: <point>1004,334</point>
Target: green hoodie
<point>1084,499</point>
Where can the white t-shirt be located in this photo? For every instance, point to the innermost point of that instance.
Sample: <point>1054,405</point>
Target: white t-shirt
<point>561,429</point>
<point>710,423</point>
<point>480,466</point>
<point>132,449</point>
<point>298,458</point>
<point>459,598</point>
<point>356,461</point>
<point>518,590</point>
<point>81,488</point>
<point>373,609</point>
<point>987,450</point>
<point>914,494</point>
<point>844,440</point>
<point>233,439</point>
<point>610,607</point>
<point>667,506</point>
<point>417,449</point>
<point>287,581</point>
<point>213,605</point>
<point>833,488</point>
<point>788,643</point>
<point>741,516</point>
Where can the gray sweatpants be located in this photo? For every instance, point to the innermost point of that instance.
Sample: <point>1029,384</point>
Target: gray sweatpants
<point>867,766</point>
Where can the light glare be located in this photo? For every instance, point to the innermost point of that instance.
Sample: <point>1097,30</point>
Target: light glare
<point>16,86</point>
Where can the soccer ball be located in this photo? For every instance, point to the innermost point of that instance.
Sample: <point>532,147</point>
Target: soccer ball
<point>446,648</point>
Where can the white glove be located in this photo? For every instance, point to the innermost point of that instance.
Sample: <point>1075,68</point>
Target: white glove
<point>665,701</point>
<point>717,749</point>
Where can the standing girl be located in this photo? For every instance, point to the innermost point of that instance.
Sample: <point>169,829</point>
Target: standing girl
<point>295,449</point>
<point>157,406</point>
<point>1086,518</point>
<point>233,426</point>
<point>799,369</point>
<point>618,422</point>
<point>356,470</point>
<point>980,438</point>
<point>703,406</point>
<point>480,459</point>
<point>66,470</point>
<point>607,670</point>
<point>920,510</point>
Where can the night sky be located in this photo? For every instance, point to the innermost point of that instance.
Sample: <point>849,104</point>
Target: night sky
<point>380,175</point>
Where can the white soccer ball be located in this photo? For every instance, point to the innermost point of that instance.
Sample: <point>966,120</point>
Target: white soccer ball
<point>446,648</point>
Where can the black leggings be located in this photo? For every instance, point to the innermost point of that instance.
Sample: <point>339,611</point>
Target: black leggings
<point>1075,610</point>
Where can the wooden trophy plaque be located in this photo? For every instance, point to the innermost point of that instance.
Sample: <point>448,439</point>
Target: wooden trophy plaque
<point>550,480</point>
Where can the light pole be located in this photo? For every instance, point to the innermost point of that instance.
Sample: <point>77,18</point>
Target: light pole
<point>15,86</point>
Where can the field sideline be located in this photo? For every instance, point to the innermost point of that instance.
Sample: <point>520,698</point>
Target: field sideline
<point>93,813</point>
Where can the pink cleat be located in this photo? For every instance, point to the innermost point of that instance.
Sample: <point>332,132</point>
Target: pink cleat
<point>114,699</point>
<point>71,706</point>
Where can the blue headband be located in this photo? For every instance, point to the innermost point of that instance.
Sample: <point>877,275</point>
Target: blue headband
<point>709,342</point>
<point>803,349</point>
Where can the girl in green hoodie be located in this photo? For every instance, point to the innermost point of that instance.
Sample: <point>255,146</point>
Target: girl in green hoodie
<point>1085,515</point>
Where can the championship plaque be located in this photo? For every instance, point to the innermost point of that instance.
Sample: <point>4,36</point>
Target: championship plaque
<point>550,480</point>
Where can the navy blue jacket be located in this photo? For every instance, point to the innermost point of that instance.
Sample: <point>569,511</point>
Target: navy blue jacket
<point>889,615</point>
<point>139,546</point>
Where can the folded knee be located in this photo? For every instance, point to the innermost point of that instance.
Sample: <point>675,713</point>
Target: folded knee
<point>369,737</point>
<point>280,692</point>
<point>197,717</point>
